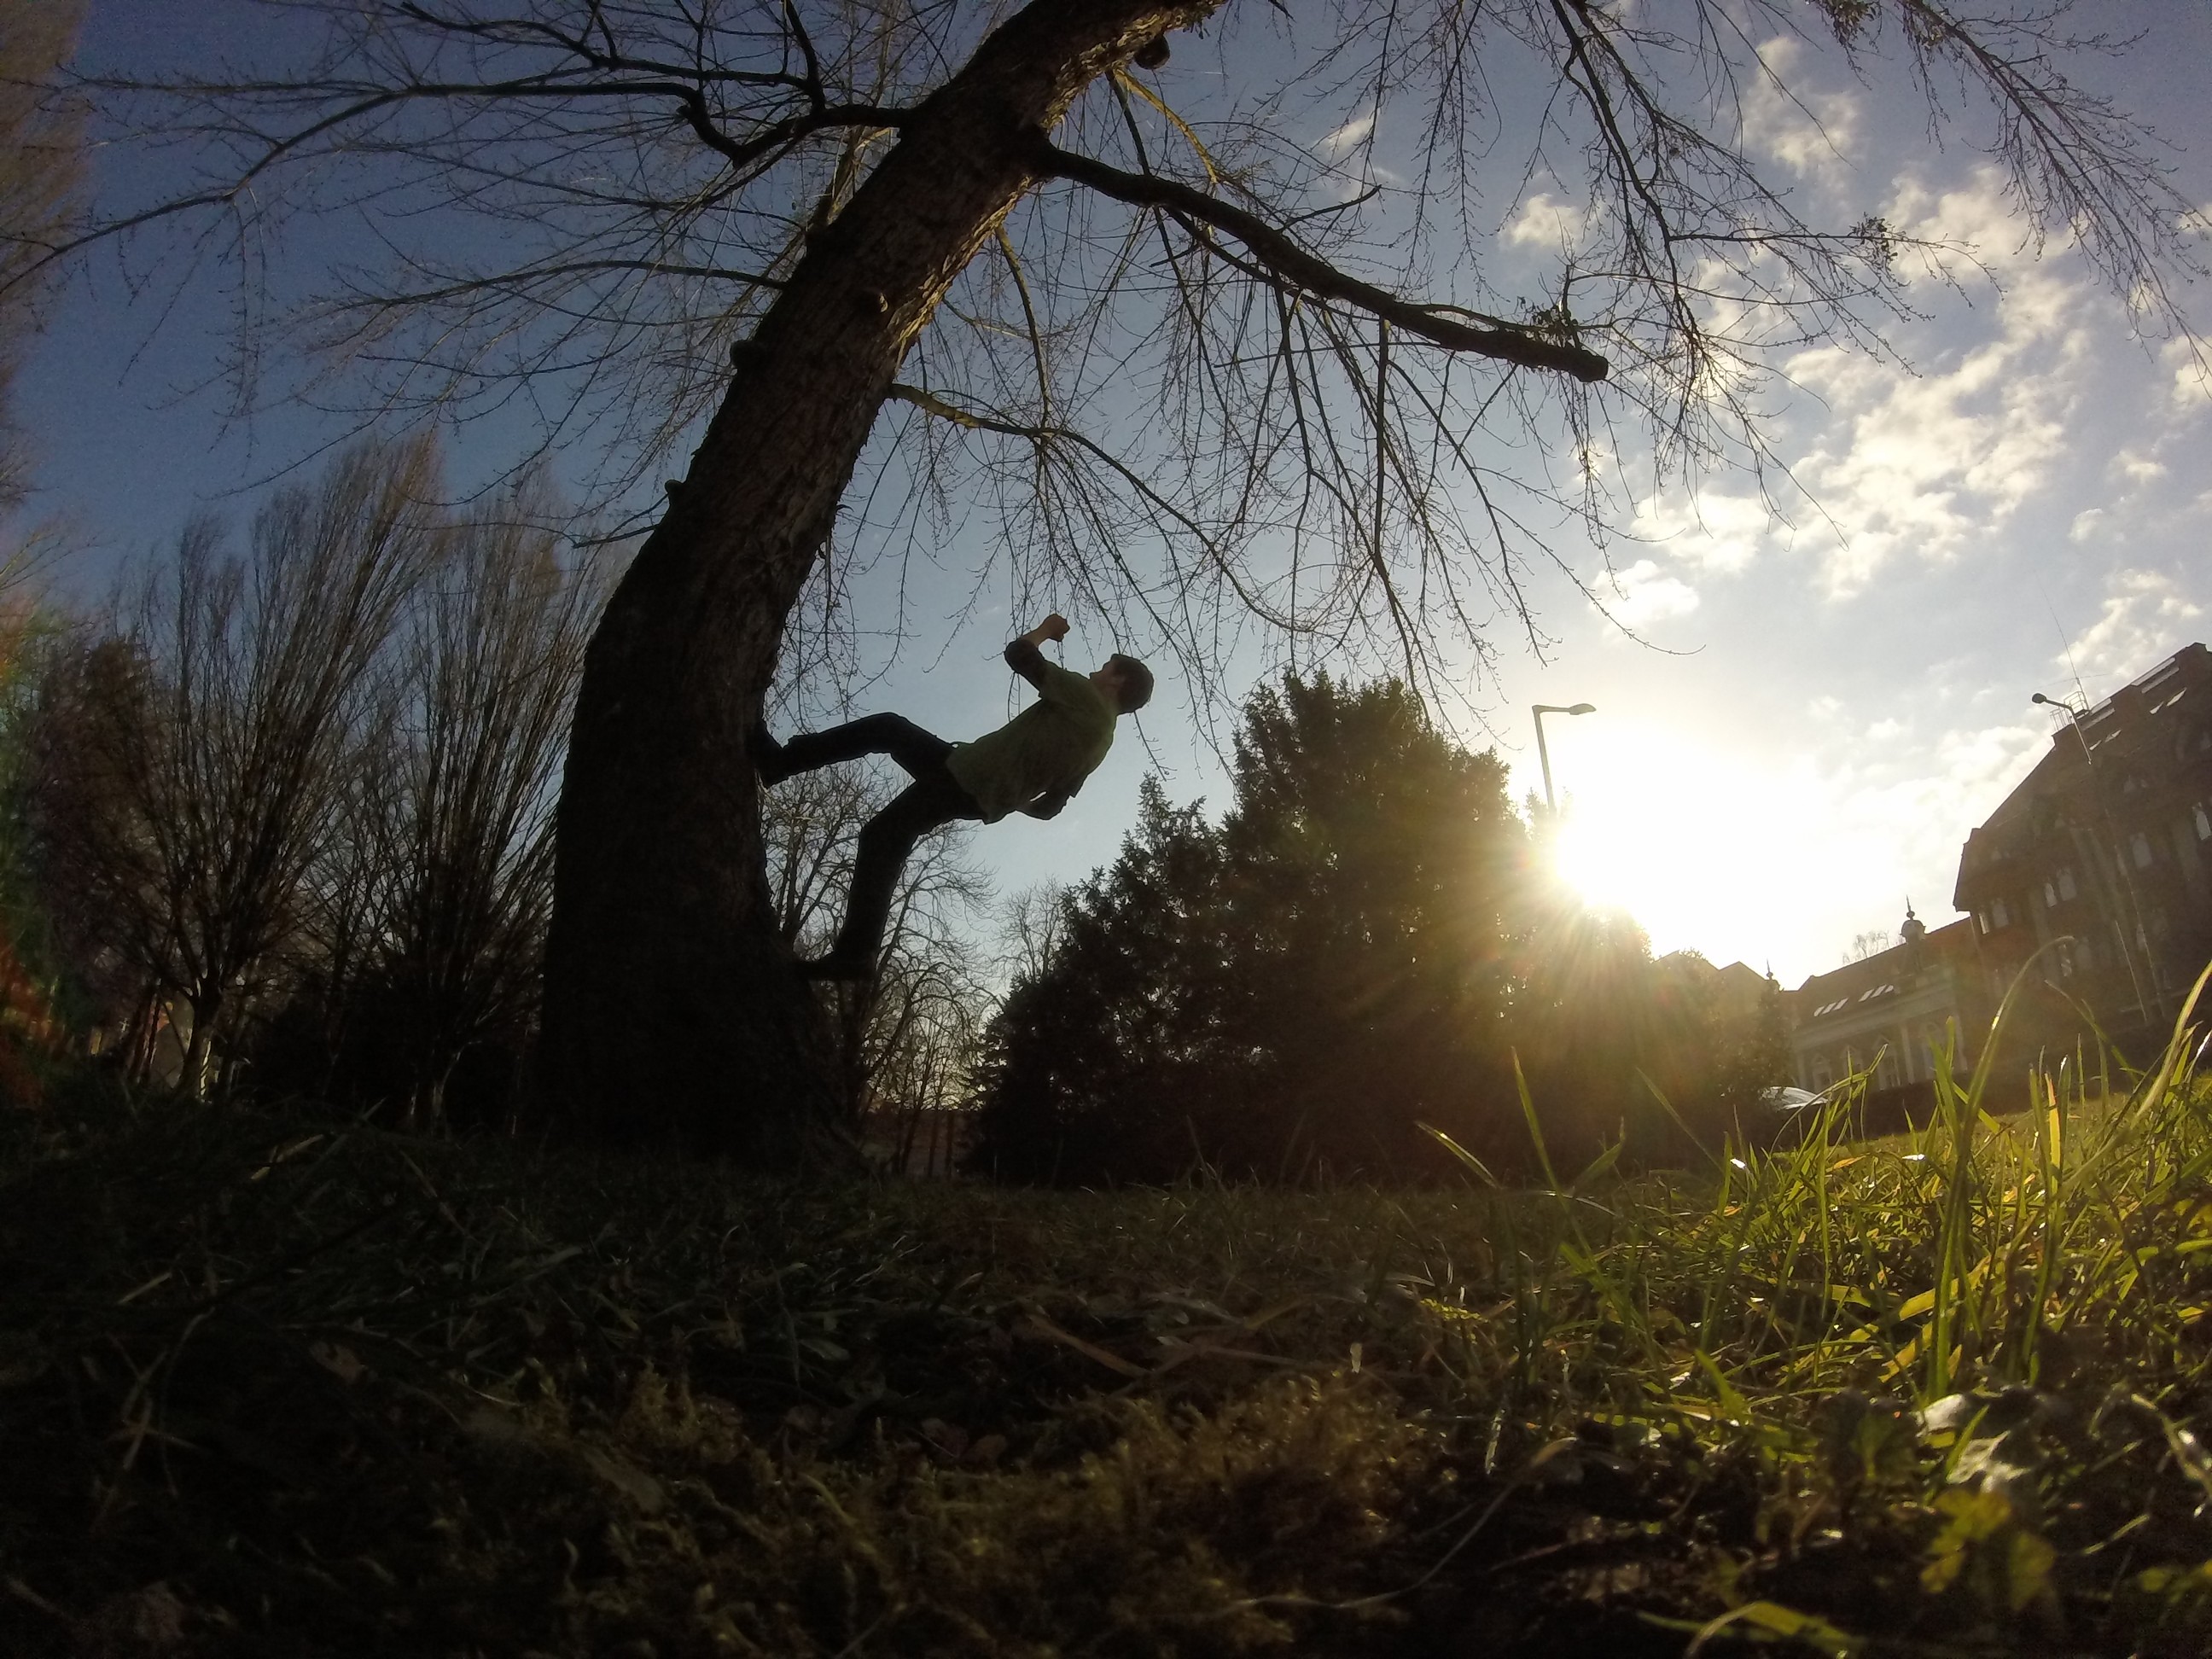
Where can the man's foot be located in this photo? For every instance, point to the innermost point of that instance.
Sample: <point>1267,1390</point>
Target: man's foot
<point>767,755</point>
<point>837,966</point>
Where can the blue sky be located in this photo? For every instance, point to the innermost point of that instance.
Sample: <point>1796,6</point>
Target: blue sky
<point>1823,702</point>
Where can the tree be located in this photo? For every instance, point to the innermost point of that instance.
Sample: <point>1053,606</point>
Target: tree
<point>1871,942</point>
<point>1102,1066</point>
<point>1663,1058</point>
<point>193,760</point>
<point>1319,452</point>
<point>1365,945</point>
<point>1298,990</point>
<point>435,902</point>
<point>41,168</point>
<point>903,1040</point>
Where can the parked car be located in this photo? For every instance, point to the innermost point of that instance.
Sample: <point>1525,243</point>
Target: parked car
<point>1792,1111</point>
<point>1783,1097</point>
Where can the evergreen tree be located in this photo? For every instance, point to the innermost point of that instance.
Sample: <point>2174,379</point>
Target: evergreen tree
<point>1291,994</point>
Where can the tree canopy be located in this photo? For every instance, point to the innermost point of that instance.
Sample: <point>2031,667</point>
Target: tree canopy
<point>1257,338</point>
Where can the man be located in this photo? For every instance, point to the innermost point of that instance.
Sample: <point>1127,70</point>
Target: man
<point>1031,764</point>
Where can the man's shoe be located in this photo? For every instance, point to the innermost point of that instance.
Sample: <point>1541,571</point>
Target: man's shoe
<point>767,755</point>
<point>838,966</point>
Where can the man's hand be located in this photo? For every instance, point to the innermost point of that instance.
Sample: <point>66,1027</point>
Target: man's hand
<point>1023,656</point>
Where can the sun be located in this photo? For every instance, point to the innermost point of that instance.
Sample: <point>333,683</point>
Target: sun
<point>1696,844</point>
<point>1597,862</point>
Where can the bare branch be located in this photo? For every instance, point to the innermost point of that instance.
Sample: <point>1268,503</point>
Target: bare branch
<point>1295,267</point>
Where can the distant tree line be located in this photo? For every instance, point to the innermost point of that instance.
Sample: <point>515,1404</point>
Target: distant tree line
<point>283,811</point>
<point>1367,946</point>
<point>288,804</point>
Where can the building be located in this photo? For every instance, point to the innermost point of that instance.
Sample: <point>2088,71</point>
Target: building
<point>2094,876</point>
<point>1891,1013</point>
<point>2097,868</point>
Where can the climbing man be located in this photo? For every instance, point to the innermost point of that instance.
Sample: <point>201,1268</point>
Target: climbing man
<point>1031,764</point>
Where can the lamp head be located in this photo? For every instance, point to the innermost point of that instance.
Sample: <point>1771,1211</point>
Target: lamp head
<point>1584,708</point>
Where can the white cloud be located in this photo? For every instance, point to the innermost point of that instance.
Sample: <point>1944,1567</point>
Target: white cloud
<point>1349,153</point>
<point>2192,389</point>
<point>1335,145</point>
<point>1546,222</point>
<point>1922,466</point>
<point>1892,815</point>
<point>2137,468</point>
<point>2087,523</point>
<point>1814,133</point>
<point>2146,616</point>
<point>1716,531</point>
<point>1643,594</point>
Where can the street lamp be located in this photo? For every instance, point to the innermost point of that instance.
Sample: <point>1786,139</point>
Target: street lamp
<point>1545,754</point>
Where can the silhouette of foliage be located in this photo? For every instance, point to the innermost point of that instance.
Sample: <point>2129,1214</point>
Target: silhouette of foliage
<point>1365,945</point>
<point>1291,992</point>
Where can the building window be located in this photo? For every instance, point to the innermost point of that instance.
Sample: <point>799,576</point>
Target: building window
<point>1822,1077</point>
<point>2050,895</point>
<point>2139,843</point>
<point>2000,916</point>
<point>2066,888</point>
<point>2203,823</point>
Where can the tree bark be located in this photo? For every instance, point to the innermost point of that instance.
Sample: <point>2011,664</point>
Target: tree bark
<point>673,1012</point>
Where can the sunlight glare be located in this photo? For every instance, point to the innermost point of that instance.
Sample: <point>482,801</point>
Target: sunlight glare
<point>1701,848</point>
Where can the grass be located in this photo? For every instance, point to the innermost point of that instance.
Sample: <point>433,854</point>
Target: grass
<point>272,1386</point>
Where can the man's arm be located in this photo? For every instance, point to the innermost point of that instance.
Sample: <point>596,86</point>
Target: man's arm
<point>1023,656</point>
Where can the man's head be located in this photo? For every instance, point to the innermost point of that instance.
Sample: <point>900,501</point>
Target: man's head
<point>1126,680</point>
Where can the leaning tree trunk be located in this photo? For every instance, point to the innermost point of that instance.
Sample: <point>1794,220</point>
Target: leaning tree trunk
<point>673,1012</point>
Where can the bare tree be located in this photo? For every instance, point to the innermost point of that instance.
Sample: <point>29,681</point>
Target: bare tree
<point>1031,923</point>
<point>1871,943</point>
<point>1124,325</point>
<point>458,826</point>
<point>195,757</point>
<point>41,167</point>
<point>903,1040</point>
<point>925,1040</point>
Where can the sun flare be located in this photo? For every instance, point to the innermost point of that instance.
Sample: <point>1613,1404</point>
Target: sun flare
<point>1699,847</point>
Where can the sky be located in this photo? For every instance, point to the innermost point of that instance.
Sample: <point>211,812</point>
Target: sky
<point>1797,719</point>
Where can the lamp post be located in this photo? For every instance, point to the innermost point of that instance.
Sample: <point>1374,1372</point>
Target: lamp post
<point>1543,754</point>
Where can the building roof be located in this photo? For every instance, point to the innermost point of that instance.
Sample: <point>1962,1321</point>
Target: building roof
<point>1857,988</point>
<point>2123,746</point>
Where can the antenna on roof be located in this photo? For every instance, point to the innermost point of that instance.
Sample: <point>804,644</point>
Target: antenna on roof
<point>2066,650</point>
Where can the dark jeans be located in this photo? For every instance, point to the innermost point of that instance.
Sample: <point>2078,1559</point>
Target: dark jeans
<point>932,799</point>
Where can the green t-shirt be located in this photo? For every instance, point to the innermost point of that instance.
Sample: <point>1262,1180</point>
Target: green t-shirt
<point>1048,749</point>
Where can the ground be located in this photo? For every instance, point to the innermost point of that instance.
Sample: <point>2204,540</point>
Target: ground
<point>274,1385</point>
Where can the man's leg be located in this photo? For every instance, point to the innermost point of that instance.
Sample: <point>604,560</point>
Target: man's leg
<point>932,800</point>
<point>917,751</point>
